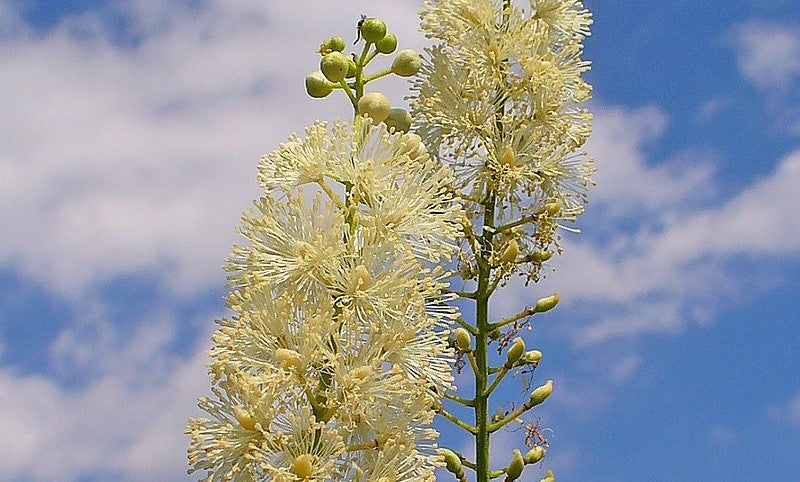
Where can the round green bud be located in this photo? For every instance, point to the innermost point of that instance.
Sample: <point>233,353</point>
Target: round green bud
<point>317,86</point>
<point>399,119</point>
<point>406,63</point>
<point>535,454</point>
<point>375,105</point>
<point>514,469</point>
<point>373,30</point>
<point>540,393</point>
<point>387,44</point>
<point>463,340</point>
<point>351,69</point>
<point>547,303</point>
<point>334,66</point>
<point>336,44</point>
<point>453,463</point>
<point>495,334</point>
<point>515,352</point>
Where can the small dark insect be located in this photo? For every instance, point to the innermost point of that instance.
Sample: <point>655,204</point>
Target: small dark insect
<point>358,27</point>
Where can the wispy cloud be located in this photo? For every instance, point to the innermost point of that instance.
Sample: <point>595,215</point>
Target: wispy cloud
<point>768,52</point>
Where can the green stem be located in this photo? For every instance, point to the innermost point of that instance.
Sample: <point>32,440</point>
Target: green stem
<point>377,75</point>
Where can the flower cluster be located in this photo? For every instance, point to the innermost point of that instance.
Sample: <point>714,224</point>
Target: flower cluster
<point>500,99</point>
<point>327,369</point>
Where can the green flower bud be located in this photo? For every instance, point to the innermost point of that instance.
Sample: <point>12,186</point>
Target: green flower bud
<point>334,66</point>
<point>511,252</point>
<point>333,44</point>
<point>541,256</point>
<point>351,69</point>
<point>495,334</point>
<point>535,454</point>
<point>373,30</point>
<point>399,119</point>
<point>548,477</point>
<point>516,465</point>
<point>546,304</point>
<point>540,394</point>
<point>407,63</point>
<point>451,460</point>
<point>317,86</point>
<point>516,351</point>
<point>531,357</point>
<point>375,105</point>
<point>387,44</point>
<point>463,340</point>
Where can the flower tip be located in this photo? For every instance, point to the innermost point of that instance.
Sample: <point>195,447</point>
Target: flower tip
<point>374,105</point>
<point>406,63</point>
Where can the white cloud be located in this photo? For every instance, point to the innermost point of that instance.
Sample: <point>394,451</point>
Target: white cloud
<point>120,159</point>
<point>768,52</point>
<point>126,423</point>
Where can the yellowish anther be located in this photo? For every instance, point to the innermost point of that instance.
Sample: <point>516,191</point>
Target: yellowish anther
<point>244,418</point>
<point>507,158</point>
<point>303,466</point>
<point>303,249</point>
<point>289,359</point>
<point>510,253</point>
<point>463,340</point>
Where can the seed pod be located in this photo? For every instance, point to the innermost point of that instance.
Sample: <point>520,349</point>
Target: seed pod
<point>510,253</point>
<point>463,340</point>
<point>547,303</point>
<point>452,461</point>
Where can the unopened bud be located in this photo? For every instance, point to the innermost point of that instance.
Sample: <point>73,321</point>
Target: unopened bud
<point>495,334</point>
<point>289,359</point>
<point>546,304</point>
<point>375,105</point>
<point>554,207</point>
<point>548,477</point>
<point>531,357</point>
<point>373,30</point>
<point>463,340</point>
<point>303,466</point>
<point>317,86</point>
<point>334,66</point>
<point>361,278</point>
<point>333,44</point>
<point>514,469</point>
<point>535,454</point>
<point>452,461</point>
<point>507,158</point>
<point>387,44</point>
<point>540,394</point>
<point>516,351</point>
<point>406,63</point>
<point>244,418</point>
<point>399,119</point>
<point>510,253</point>
<point>541,256</point>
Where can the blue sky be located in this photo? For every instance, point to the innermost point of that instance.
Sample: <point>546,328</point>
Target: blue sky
<point>129,136</point>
